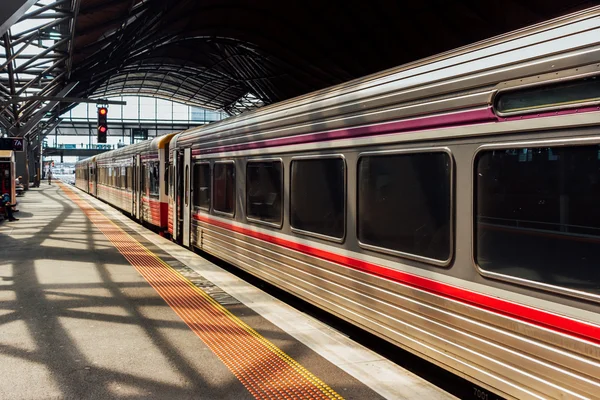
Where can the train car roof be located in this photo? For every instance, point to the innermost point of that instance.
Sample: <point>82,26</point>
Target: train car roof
<point>472,73</point>
<point>85,160</point>
<point>161,142</point>
<point>130,150</point>
<point>156,143</point>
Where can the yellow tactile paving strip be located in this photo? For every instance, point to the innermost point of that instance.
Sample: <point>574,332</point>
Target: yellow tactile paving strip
<point>265,370</point>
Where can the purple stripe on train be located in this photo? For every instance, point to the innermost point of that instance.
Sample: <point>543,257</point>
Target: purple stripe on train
<point>471,117</point>
<point>416,124</point>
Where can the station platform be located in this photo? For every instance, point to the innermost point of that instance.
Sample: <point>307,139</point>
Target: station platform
<point>94,306</point>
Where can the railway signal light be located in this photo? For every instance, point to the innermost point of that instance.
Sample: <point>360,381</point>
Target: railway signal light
<point>102,124</point>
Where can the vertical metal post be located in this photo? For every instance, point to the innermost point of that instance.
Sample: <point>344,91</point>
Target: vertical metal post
<point>11,74</point>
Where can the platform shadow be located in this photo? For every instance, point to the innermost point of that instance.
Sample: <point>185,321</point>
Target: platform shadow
<point>43,307</point>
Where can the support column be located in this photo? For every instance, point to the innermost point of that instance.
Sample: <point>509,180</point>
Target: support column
<point>33,156</point>
<point>22,164</point>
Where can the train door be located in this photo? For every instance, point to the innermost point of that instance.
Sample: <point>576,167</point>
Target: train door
<point>93,180</point>
<point>90,170</point>
<point>133,187</point>
<point>176,177</point>
<point>137,187</point>
<point>187,190</point>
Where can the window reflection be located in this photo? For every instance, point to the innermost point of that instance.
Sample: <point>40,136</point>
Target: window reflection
<point>537,214</point>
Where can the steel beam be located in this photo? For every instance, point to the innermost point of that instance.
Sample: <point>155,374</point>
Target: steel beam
<point>23,67</point>
<point>45,72</point>
<point>12,11</point>
<point>38,116</point>
<point>4,122</point>
<point>64,100</point>
<point>51,6</point>
<point>10,56</point>
<point>72,27</point>
<point>11,76</point>
<point>35,31</point>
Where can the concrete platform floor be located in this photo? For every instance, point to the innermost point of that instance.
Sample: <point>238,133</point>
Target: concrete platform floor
<point>77,321</point>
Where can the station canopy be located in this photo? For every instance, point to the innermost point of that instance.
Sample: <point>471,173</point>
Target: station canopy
<point>235,55</point>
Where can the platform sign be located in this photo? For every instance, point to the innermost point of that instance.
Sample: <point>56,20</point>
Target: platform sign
<point>139,135</point>
<point>12,143</point>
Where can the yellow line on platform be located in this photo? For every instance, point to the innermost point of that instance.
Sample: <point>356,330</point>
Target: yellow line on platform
<point>264,369</point>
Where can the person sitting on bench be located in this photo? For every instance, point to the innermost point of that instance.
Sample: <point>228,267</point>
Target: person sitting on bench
<point>8,207</point>
<point>19,186</point>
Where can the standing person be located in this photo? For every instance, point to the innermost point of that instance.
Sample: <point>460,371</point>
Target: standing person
<point>49,176</point>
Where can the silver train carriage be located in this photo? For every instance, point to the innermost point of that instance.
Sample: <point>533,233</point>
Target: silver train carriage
<point>130,179</point>
<point>450,206</point>
<point>85,178</point>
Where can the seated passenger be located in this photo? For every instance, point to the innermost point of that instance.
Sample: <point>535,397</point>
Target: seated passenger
<point>19,186</point>
<point>8,207</point>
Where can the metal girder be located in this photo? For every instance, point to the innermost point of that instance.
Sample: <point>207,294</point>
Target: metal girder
<point>35,66</point>
<point>46,129</point>
<point>3,121</point>
<point>38,116</point>
<point>66,100</point>
<point>11,11</point>
<point>51,6</point>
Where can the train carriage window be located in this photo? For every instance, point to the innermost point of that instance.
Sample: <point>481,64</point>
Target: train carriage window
<point>170,180</point>
<point>202,185</point>
<point>567,94</point>
<point>264,191</point>
<point>537,214</point>
<point>317,196</point>
<point>130,178</point>
<point>154,180</point>
<point>123,183</point>
<point>143,179</point>
<point>166,178</point>
<point>224,187</point>
<point>404,203</point>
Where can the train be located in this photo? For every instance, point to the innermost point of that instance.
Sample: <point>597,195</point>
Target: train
<point>449,206</point>
<point>129,179</point>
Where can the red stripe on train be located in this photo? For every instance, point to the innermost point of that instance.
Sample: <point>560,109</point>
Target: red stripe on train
<point>170,218</point>
<point>158,211</point>
<point>164,214</point>
<point>554,322</point>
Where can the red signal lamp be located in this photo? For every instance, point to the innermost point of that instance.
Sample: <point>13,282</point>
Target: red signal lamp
<point>102,111</point>
<point>102,128</point>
